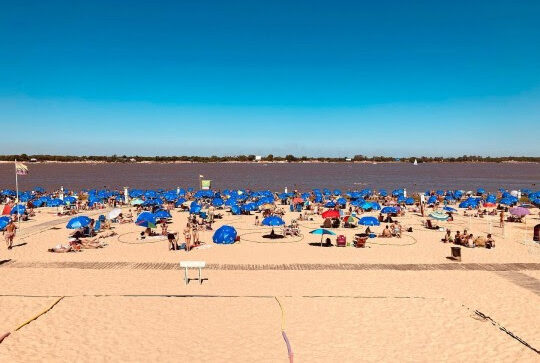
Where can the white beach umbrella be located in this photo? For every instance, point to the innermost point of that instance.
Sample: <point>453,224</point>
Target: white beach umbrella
<point>114,213</point>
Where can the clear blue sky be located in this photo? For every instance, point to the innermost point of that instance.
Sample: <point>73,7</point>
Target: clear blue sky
<point>256,77</point>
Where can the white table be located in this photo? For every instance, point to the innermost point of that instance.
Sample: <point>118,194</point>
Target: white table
<point>192,264</point>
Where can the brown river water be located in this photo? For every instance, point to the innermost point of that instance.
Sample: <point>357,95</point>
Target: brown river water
<point>466,176</point>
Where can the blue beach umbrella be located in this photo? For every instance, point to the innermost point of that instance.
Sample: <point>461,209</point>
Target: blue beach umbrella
<point>162,214</point>
<point>389,210</point>
<point>224,235</point>
<point>18,209</point>
<point>146,219</point>
<point>330,204</point>
<point>4,221</point>
<point>78,222</point>
<point>179,202</point>
<point>55,202</point>
<point>273,221</point>
<point>369,221</point>
<point>432,200</point>
<point>70,199</point>
<point>366,206</point>
<point>375,206</point>
<point>217,202</point>
<point>194,208</point>
<point>322,231</point>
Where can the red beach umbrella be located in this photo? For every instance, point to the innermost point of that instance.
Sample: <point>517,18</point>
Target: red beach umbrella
<point>332,213</point>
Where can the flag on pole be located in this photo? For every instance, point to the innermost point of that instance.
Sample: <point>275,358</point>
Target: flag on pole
<point>21,169</point>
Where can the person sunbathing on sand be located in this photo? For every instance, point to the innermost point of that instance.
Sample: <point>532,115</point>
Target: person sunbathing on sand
<point>61,249</point>
<point>386,233</point>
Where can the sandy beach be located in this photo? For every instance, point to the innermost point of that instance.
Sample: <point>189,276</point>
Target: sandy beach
<point>398,299</point>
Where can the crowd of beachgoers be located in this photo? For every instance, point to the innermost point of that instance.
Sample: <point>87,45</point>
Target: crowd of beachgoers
<point>151,210</point>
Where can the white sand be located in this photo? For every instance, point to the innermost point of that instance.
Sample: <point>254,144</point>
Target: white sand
<point>330,315</point>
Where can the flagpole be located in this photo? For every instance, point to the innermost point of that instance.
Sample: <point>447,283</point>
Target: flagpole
<point>17,195</point>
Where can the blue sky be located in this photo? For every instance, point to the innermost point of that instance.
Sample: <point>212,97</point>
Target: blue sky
<point>256,77</point>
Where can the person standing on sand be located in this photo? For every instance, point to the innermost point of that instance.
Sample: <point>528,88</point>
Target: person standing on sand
<point>195,236</point>
<point>501,219</point>
<point>9,234</point>
<point>211,212</point>
<point>187,237</point>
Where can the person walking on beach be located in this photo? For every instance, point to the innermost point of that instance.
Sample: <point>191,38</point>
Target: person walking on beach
<point>9,234</point>
<point>501,219</point>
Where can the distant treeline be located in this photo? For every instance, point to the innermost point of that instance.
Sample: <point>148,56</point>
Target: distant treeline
<point>269,158</point>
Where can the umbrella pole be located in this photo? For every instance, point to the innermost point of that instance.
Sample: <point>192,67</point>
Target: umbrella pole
<point>322,236</point>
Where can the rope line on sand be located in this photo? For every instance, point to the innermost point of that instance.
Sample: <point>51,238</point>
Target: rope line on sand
<point>38,315</point>
<point>4,336</point>
<point>289,349</point>
<point>141,242</point>
<point>283,333</point>
<point>503,329</point>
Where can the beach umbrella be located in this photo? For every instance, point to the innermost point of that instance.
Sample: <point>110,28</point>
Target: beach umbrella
<point>273,221</point>
<point>369,221</point>
<point>330,204</point>
<point>4,221</point>
<point>114,213</point>
<point>78,222</point>
<point>389,210</point>
<point>507,201</point>
<point>194,208</point>
<point>519,211</point>
<point>217,202</point>
<point>409,201</point>
<point>146,219</point>
<point>375,206</point>
<point>439,215</point>
<point>70,199</point>
<point>322,232</point>
<point>350,219</point>
<point>249,207</point>
<point>179,202</point>
<point>366,206</point>
<point>432,199</point>
<point>162,214</point>
<point>136,201</point>
<point>332,213</point>
<point>151,194</point>
<point>18,209</point>
<point>224,235</point>
<point>383,193</point>
<point>55,202</point>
